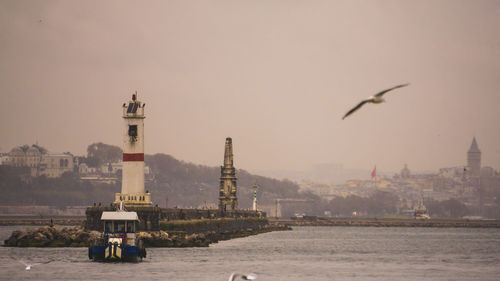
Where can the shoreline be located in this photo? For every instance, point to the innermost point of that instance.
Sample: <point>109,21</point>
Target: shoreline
<point>387,222</point>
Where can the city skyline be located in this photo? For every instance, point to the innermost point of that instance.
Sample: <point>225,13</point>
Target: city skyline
<point>276,77</point>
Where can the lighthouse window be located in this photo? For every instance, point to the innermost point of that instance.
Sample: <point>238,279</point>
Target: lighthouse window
<point>132,130</point>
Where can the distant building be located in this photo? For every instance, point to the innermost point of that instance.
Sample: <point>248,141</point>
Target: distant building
<point>40,162</point>
<point>452,172</point>
<point>4,157</point>
<point>53,165</point>
<point>474,159</point>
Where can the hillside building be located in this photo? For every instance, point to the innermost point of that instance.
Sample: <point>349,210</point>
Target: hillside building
<point>40,162</point>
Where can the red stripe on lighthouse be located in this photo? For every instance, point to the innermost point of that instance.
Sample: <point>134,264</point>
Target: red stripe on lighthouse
<point>129,157</point>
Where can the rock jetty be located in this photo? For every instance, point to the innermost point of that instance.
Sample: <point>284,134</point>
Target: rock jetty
<point>52,236</point>
<point>194,234</point>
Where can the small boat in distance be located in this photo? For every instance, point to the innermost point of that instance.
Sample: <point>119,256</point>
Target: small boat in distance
<point>420,213</point>
<point>119,240</point>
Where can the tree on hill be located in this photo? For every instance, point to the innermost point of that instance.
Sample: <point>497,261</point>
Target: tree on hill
<point>451,208</point>
<point>24,148</point>
<point>382,203</point>
<point>100,153</point>
<point>40,148</point>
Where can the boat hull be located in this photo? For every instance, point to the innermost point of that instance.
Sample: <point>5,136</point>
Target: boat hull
<point>116,253</point>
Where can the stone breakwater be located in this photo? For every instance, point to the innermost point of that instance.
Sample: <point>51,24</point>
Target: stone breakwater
<point>52,236</point>
<point>202,232</point>
<point>197,233</point>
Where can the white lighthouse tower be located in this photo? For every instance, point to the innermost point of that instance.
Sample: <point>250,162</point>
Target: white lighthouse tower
<point>133,193</point>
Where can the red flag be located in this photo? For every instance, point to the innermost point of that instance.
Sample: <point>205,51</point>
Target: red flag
<point>374,172</point>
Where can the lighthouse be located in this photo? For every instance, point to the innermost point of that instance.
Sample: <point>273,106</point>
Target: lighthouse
<point>132,193</point>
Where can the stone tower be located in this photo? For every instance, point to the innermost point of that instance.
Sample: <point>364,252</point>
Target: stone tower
<point>474,159</point>
<point>132,193</point>
<point>227,191</point>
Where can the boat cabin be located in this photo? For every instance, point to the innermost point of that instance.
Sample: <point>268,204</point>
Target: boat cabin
<point>120,227</point>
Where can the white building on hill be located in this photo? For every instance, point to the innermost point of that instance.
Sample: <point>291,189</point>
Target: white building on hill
<point>40,162</point>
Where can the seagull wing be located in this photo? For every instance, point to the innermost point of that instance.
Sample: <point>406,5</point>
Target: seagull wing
<point>234,276</point>
<point>355,108</point>
<point>390,89</point>
<point>37,263</point>
<point>251,276</point>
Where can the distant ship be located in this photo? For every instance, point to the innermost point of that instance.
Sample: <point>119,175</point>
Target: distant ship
<point>119,241</point>
<point>420,213</point>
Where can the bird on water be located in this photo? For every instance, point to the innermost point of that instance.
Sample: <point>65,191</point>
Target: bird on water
<point>250,276</point>
<point>378,98</point>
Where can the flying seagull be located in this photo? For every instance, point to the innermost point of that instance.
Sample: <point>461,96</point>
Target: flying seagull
<point>29,266</point>
<point>250,276</point>
<point>373,99</point>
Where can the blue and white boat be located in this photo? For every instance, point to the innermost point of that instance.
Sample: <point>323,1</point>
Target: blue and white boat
<point>119,240</point>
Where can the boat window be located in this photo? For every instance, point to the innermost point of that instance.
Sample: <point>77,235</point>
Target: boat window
<point>120,226</point>
<point>108,226</point>
<point>131,226</point>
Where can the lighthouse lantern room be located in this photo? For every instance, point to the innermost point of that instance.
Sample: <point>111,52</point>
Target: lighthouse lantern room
<point>132,193</point>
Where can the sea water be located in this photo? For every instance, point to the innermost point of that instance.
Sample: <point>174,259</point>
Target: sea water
<point>305,253</point>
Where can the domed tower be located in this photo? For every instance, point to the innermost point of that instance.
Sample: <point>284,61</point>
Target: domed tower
<point>474,159</point>
<point>132,193</point>
<point>227,191</point>
<point>405,172</point>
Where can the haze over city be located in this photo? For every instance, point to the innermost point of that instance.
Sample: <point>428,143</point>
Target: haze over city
<point>276,76</point>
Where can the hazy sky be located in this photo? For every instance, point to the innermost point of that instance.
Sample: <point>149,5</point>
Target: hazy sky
<point>276,76</point>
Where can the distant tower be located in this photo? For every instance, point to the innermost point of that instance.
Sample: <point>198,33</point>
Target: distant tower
<point>227,191</point>
<point>474,159</point>
<point>405,173</point>
<point>132,193</point>
<point>254,202</point>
